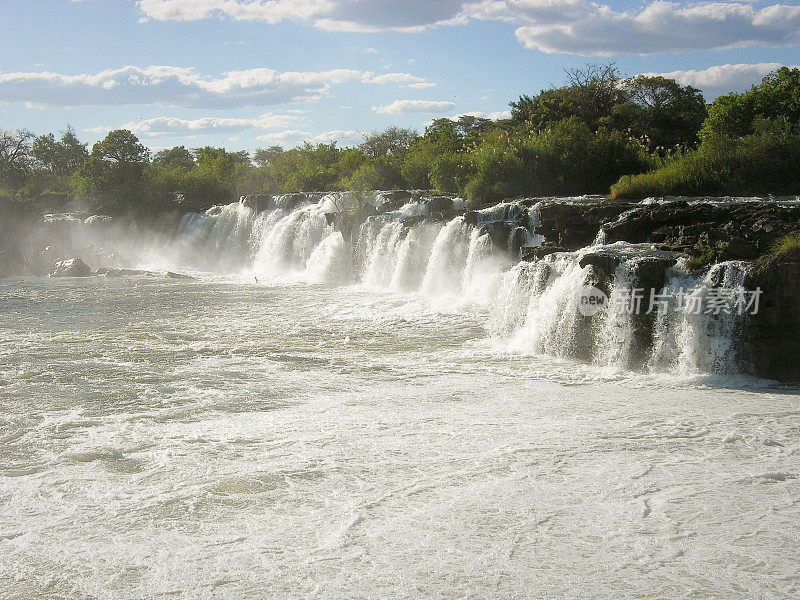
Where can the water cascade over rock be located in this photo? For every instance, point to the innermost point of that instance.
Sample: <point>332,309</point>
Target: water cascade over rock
<point>527,263</point>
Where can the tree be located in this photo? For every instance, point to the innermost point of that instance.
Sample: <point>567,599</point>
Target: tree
<point>391,141</point>
<point>662,113</point>
<point>265,156</point>
<point>121,146</point>
<point>15,149</point>
<point>777,97</point>
<point>590,95</point>
<point>175,158</point>
<point>114,173</point>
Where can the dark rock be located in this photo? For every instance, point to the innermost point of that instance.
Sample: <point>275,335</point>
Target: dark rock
<point>258,202</point>
<point>770,342</point>
<point>72,267</point>
<point>573,225</point>
<point>538,252</point>
<point>743,230</point>
<point>517,240</point>
<point>498,234</point>
<point>440,206</point>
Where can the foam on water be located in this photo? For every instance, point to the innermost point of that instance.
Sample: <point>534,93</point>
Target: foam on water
<point>212,439</point>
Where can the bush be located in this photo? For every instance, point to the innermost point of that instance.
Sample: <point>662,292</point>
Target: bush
<point>765,162</point>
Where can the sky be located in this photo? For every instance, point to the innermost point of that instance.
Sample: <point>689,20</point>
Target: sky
<point>244,74</point>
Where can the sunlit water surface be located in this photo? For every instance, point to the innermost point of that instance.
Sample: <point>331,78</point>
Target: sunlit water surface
<point>221,439</point>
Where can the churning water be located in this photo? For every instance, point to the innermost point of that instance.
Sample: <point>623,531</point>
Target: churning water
<point>393,416</point>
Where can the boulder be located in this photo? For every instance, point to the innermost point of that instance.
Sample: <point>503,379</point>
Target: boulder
<point>72,267</point>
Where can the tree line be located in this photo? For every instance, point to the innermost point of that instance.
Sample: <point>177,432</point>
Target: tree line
<point>598,133</point>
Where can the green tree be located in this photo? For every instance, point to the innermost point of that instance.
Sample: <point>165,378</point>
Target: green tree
<point>15,158</point>
<point>60,158</point>
<point>777,97</point>
<point>393,140</point>
<point>175,158</point>
<point>265,156</point>
<point>590,95</point>
<point>114,173</point>
<point>661,112</point>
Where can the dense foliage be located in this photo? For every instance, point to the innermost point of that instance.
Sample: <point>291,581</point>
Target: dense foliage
<point>648,134</point>
<point>750,144</point>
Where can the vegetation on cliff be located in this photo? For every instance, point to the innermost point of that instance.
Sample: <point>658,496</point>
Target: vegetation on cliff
<point>638,137</point>
<point>749,145</point>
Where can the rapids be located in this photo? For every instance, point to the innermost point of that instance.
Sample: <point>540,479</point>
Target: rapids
<point>404,410</point>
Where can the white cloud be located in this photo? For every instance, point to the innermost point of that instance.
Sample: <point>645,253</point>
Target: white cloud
<point>399,107</point>
<point>567,26</point>
<point>295,137</point>
<point>161,126</point>
<point>396,78</point>
<point>494,116</point>
<point>579,27</point>
<point>180,86</point>
<point>405,80</point>
<point>722,79</point>
<point>333,15</point>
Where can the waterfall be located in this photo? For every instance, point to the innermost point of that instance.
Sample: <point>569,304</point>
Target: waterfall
<point>330,261</point>
<point>217,240</point>
<point>384,252</point>
<point>691,341</point>
<point>537,312</point>
<point>400,243</point>
<point>550,321</point>
<point>444,272</point>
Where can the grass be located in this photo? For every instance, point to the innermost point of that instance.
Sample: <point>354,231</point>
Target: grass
<point>788,245</point>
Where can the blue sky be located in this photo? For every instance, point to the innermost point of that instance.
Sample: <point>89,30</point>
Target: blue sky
<point>251,73</point>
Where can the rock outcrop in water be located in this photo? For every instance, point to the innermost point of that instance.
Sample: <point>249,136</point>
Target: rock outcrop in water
<point>72,267</point>
<point>770,342</point>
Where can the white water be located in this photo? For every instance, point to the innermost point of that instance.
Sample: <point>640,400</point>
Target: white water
<point>396,418</point>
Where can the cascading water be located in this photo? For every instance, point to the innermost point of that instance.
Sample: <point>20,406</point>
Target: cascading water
<point>689,340</point>
<point>533,307</point>
<point>537,311</point>
<point>448,259</point>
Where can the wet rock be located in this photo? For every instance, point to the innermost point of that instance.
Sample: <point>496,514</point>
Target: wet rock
<point>770,342</point>
<point>498,234</point>
<point>743,230</point>
<point>440,206</point>
<point>258,202</point>
<point>574,225</point>
<point>72,267</point>
<point>517,240</point>
<point>645,277</point>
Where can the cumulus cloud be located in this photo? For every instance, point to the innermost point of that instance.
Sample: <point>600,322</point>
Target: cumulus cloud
<point>567,26</point>
<point>399,107</point>
<point>294,137</point>
<point>494,116</point>
<point>404,79</point>
<point>333,15</point>
<point>660,27</point>
<point>162,126</point>
<point>184,87</point>
<point>722,79</point>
